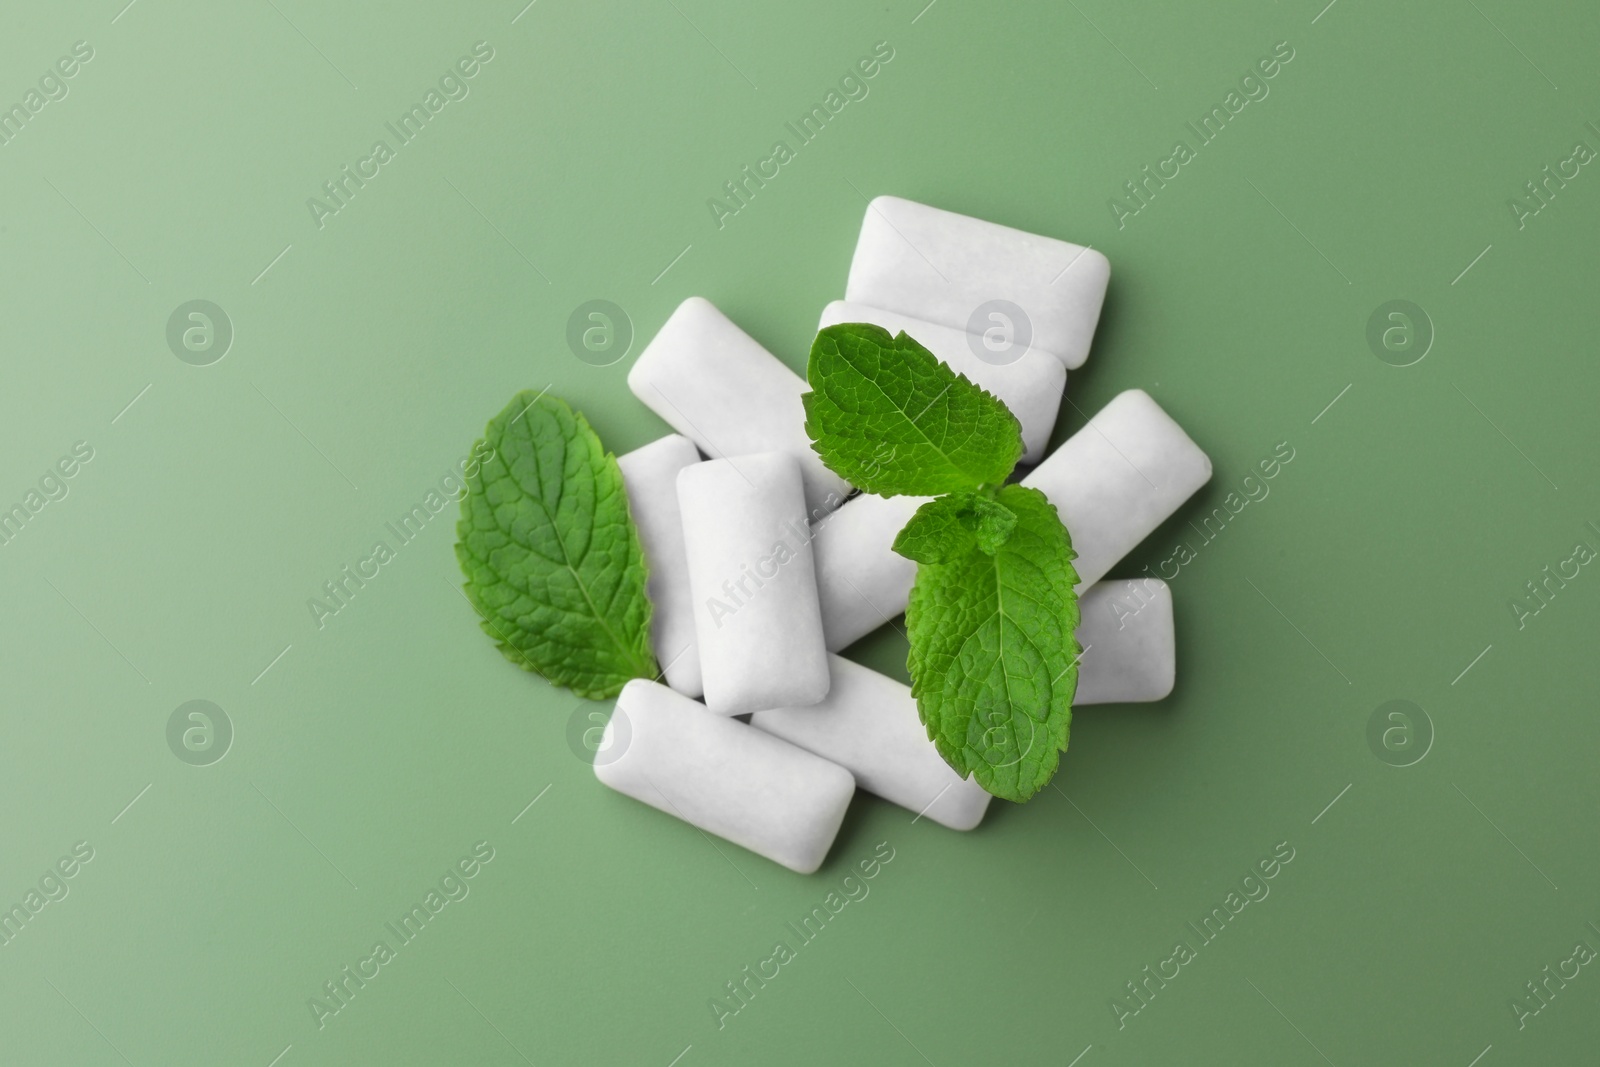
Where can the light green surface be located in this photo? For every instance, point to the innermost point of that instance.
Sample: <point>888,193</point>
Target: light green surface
<point>379,749</point>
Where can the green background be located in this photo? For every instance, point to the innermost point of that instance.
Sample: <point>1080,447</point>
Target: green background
<point>372,753</point>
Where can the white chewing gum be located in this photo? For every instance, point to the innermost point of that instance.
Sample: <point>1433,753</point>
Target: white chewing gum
<point>869,726</point>
<point>1117,479</point>
<point>715,385</point>
<point>1129,649</point>
<point>723,776</point>
<point>757,621</point>
<point>954,270</point>
<point>650,475</point>
<point>862,582</point>
<point>1113,482</point>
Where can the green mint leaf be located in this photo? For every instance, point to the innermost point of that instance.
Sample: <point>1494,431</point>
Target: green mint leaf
<point>993,524</point>
<point>888,417</point>
<point>948,527</point>
<point>993,661</point>
<point>552,559</point>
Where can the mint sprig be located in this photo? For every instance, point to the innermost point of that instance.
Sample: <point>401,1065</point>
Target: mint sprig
<point>994,662</point>
<point>890,419</point>
<point>993,611</point>
<point>947,528</point>
<point>552,558</point>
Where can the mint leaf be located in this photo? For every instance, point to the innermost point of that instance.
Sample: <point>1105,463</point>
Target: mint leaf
<point>948,527</point>
<point>888,417</point>
<point>993,661</point>
<point>552,559</point>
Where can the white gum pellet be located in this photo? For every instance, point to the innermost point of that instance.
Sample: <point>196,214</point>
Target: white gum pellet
<point>1129,652</point>
<point>650,475</point>
<point>1029,383</point>
<point>715,385</point>
<point>1113,482</point>
<point>723,776</point>
<point>862,582</point>
<point>955,270</point>
<point>758,624</point>
<point>1117,479</point>
<point>869,726</point>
